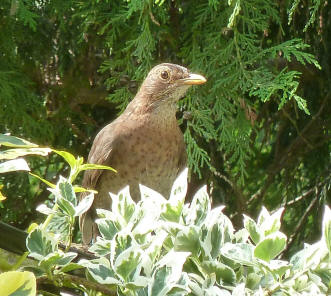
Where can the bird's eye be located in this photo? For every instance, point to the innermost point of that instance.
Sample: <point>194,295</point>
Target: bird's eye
<point>164,75</point>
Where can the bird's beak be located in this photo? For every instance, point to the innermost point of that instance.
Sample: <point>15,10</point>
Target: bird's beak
<point>194,79</point>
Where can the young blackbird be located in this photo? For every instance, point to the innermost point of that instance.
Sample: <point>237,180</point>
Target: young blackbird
<point>144,144</point>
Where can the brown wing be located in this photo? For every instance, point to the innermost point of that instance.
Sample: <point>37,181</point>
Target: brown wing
<point>101,153</point>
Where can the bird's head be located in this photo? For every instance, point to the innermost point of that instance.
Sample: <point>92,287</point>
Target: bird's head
<point>168,83</point>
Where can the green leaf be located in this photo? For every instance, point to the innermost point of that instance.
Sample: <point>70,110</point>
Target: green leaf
<point>125,205</point>
<point>253,280</point>
<point>172,212</point>
<point>68,157</point>
<point>172,209</point>
<point>153,252</point>
<point>147,217</point>
<point>18,164</point>
<point>67,192</point>
<point>15,153</point>
<point>240,253</point>
<point>223,272</point>
<point>79,189</point>
<point>11,141</point>
<point>179,189</point>
<point>92,166</point>
<point>45,210</point>
<point>326,228</point>
<point>252,228</point>
<point>270,246</point>
<point>127,263</point>
<point>18,283</point>
<point>181,287</point>
<point>139,282</point>
<point>199,208</point>
<point>161,285</point>
<point>100,271</point>
<point>187,240</point>
<point>279,267</point>
<point>170,266</point>
<point>57,258</point>
<point>166,283</point>
<point>121,242</point>
<point>101,247</point>
<point>107,228</point>
<point>61,225</point>
<point>215,232</point>
<point>84,204</point>
<point>66,206</point>
<point>70,267</point>
<point>268,224</point>
<point>40,244</point>
<point>51,185</point>
<point>309,257</point>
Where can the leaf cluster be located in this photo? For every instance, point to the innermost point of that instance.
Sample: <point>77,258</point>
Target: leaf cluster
<point>166,247</point>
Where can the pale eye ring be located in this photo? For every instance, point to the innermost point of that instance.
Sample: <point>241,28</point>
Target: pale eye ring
<point>164,75</point>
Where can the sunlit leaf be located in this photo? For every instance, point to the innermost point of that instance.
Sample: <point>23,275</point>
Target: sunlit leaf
<point>270,246</point>
<point>20,283</point>
<point>84,204</point>
<point>92,166</point>
<point>187,240</point>
<point>252,228</point>
<point>100,247</point>
<point>40,244</point>
<point>51,185</point>
<point>68,157</point>
<point>100,270</point>
<point>58,258</point>
<point>11,141</point>
<point>107,228</point>
<point>45,209</point>
<point>2,197</point>
<point>179,188</point>
<point>241,253</point>
<point>15,153</point>
<point>216,230</point>
<point>223,272</point>
<point>199,208</point>
<point>326,228</point>
<point>66,190</point>
<point>79,189</point>
<point>18,164</point>
<point>127,262</point>
<point>66,206</point>
<point>172,209</point>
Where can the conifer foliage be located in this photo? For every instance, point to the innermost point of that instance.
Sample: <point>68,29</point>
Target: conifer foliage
<point>258,133</point>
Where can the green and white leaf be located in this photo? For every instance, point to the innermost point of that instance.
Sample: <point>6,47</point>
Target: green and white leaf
<point>271,246</point>
<point>15,153</point>
<point>40,244</point>
<point>11,141</point>
<point>18,164</point>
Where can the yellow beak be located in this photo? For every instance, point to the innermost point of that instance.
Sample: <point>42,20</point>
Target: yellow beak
<point>194,79</point>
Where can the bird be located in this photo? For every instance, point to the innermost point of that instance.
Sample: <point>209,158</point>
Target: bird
<point>144,144</point>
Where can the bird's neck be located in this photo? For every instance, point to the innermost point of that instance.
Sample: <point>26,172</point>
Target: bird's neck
<point>159,112</point>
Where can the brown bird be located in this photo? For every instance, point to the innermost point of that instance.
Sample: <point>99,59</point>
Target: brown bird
<point>144,144</point>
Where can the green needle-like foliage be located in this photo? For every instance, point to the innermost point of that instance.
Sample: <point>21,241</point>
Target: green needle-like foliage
<point>257,133</point>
